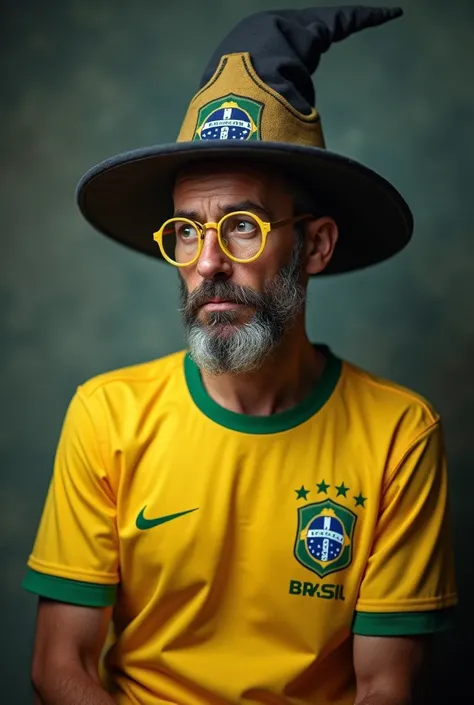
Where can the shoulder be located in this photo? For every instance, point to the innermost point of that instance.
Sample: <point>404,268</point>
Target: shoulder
<point>131,391</point>
<point>153,373</point>
<point>387,404</point>
<point>115,405</point>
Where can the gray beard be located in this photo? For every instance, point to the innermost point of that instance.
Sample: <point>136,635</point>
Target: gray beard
<point>222,345</point>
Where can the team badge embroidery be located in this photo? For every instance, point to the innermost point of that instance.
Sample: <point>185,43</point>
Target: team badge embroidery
<point>229,118</point>
<point>324,536</point>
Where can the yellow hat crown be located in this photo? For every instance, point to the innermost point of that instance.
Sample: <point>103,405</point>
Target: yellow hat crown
<point>236,104</point>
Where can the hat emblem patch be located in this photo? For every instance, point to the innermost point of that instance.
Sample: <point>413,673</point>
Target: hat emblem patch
<point>229,118</point>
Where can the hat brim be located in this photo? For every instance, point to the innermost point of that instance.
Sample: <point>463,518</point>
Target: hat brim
<point>129,196</point>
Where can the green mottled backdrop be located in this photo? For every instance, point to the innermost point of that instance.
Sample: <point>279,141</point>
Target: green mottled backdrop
<point>84,79</point>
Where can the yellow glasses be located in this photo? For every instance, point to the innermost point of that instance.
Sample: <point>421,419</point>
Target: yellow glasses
<point>241,235</point>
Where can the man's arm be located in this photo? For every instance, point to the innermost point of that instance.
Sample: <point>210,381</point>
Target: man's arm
<point>68,644</point>
<point>387,668</point>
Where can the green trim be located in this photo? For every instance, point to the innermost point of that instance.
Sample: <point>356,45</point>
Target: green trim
<point>73,591</point>
<point>402,623</point>
<point>275,423</point>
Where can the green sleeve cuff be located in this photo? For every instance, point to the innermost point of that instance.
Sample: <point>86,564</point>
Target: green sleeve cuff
<point>74,592</point>
<point>402,623</point>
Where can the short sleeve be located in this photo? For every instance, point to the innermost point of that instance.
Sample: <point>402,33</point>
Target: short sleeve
<point>75,554</point>
<point>409,583</point>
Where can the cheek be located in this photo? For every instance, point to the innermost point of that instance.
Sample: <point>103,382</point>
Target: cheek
<point>250,276</point>
<point>269,264</point>
<point>278,251</point>
<point>189,280</point>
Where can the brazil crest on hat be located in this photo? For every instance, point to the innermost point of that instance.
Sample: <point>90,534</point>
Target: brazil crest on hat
<point>234,118</point>
<point>256,102</point>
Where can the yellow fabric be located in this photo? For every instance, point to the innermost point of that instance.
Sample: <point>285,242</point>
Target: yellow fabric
<point>213,606</point>
<point>280,122</point>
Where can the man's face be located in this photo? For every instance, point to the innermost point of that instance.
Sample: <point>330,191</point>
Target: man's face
<point>236,314</point>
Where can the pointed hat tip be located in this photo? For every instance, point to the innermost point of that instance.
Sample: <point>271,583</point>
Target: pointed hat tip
<point>394,12</point>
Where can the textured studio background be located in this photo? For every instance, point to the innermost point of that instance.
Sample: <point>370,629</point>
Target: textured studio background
<point>84,79</point>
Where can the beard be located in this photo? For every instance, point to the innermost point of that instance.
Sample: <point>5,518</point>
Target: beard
<point>221,344</point>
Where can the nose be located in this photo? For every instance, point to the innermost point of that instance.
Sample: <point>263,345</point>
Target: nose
<point>212,260</point>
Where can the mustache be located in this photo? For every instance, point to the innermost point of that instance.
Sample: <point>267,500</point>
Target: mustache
<point>219,289</point>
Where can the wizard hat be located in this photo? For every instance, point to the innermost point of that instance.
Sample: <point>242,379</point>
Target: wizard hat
<point>256,103</point>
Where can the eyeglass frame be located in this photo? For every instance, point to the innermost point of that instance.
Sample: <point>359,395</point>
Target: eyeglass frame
<point>265,227</point>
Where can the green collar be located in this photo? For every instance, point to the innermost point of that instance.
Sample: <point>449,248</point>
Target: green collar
<point>275,423</point>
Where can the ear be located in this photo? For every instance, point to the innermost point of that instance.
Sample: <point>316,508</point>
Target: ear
<point>321,239</point>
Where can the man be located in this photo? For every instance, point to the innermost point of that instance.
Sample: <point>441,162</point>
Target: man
<point>253,521</point>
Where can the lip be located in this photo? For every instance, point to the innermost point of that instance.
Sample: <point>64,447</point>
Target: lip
<point>219,305</point>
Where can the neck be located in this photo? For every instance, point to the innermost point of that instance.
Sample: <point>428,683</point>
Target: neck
<point>285,379</point>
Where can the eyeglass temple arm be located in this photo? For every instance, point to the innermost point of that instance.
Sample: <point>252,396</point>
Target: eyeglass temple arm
<point>287,221</point>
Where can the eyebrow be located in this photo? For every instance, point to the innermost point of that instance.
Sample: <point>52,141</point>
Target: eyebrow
<point>247,205</point>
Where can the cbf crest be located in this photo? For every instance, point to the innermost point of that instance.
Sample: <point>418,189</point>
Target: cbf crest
<point>324,537</point>
<point>229,118</point>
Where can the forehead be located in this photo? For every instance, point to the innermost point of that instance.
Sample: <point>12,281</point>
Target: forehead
<point>227,180</point>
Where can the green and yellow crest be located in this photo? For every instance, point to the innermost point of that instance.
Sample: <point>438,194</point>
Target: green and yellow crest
<point>324,537</point>
<point>229,118</point>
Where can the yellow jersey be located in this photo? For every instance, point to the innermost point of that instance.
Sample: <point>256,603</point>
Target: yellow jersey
<point>241,553</point>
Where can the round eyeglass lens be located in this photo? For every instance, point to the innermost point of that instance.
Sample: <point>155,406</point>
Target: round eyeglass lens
<point>180,240</point>
<point>241,235</point>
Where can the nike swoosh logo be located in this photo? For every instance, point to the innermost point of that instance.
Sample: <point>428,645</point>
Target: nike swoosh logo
<point>144,524</point>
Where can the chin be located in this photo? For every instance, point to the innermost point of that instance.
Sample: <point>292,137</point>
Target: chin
<point>223,319</point>
<point>222,330</point>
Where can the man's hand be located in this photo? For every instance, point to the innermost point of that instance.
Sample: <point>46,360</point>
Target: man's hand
<point>68,644</point>
<point>387,668</point>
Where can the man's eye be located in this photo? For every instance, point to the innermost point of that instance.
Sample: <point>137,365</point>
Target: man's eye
<point>245,226</point>
<point>186,232</point>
